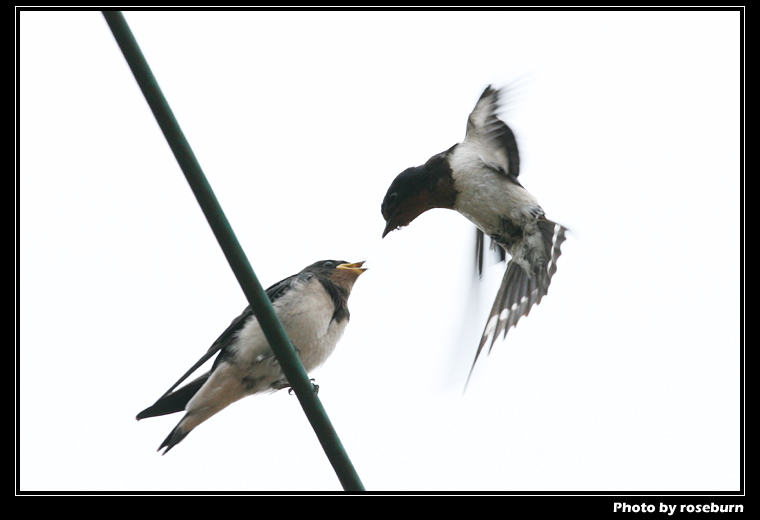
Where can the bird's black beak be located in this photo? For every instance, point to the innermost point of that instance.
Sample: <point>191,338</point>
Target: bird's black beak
<point>389,227</point>
<point>407,210</point>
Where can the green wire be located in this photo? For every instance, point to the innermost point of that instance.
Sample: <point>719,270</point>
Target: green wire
<point>254,292</point>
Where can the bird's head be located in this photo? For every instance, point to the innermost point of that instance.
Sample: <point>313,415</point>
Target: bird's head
<point>339,271</point>
<point>416,190</point>
<point>406,199</point>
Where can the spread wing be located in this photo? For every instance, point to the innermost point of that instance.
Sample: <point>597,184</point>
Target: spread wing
<point>498,146</point>
<point>498,149</point>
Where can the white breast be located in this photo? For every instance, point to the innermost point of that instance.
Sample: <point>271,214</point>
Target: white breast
<point>309,323</point>
<point>485,195</point>
<point>306,313</point>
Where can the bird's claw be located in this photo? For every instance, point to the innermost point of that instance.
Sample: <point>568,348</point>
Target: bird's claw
<point>316,387</point>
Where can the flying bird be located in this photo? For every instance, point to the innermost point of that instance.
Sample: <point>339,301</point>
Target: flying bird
<point>312,306</point>
<point>478,178</point>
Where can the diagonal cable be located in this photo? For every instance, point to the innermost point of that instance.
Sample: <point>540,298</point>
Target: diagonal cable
<point>257,298</point>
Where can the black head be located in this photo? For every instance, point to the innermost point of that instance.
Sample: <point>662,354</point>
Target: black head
<point>416,190</point>
<point>407,184</point>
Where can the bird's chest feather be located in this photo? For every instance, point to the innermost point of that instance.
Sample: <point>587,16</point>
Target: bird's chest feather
<point>489,198</point>
<point>306,313</point>
<point>311,327</point>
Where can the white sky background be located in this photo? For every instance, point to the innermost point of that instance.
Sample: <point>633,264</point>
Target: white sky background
<point>626,377</point>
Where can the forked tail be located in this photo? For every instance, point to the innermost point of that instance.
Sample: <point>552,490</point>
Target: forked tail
<point>521,290</point>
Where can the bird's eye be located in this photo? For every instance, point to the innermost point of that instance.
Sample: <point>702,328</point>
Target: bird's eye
<point>389,204</point>
<point>329,264</point>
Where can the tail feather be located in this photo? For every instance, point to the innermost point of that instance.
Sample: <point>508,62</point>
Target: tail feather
<point>174,438</point>
<point>521,290</point>
<point>553,235</point>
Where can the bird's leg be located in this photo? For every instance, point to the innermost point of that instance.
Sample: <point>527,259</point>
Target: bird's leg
<point>280,385</point>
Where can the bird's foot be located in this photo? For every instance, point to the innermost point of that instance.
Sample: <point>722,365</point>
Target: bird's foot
<point>316,387</point>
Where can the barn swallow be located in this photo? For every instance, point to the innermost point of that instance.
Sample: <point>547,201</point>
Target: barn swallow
<point>312,306</point>
<point>478,178</point>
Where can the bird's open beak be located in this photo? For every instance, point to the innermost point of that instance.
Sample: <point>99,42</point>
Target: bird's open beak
<point>355,268</point>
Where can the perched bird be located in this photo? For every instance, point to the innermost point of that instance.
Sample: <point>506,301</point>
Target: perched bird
<point>478,178</point>
<point>312,306</point>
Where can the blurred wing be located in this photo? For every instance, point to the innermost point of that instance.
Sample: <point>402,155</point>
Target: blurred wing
<point>481,251</point>
<point>498,146</point>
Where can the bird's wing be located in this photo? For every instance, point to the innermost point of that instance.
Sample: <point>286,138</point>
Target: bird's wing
<point>481,250</point>
<point>496,141</point>
<point>172,402</point>
<point>497,147</point>
<point>228,336</point>
<point>280,288</point>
